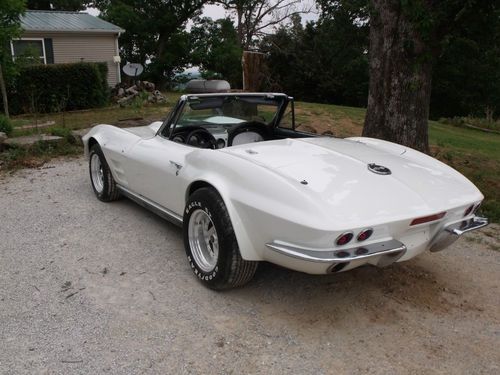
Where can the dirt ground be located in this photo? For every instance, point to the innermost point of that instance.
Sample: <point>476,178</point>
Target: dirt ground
<point>88,287</point>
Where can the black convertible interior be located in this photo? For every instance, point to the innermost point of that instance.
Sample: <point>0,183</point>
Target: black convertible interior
<point>225,120</point>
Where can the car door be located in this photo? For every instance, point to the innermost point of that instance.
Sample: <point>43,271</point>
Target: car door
<point>153,167</point>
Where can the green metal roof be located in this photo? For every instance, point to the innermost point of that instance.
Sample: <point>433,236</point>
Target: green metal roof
<point>58,21</point>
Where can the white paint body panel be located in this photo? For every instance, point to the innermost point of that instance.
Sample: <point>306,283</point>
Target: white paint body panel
<point>260,184</point>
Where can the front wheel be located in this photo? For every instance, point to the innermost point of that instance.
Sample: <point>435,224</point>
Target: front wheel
<point>210,243</point>
<point>102,180</point>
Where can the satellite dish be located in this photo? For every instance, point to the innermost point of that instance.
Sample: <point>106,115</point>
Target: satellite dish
<point>133,69</point>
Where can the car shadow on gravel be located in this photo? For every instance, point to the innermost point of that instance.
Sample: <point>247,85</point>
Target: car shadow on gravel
<point>382,294</point>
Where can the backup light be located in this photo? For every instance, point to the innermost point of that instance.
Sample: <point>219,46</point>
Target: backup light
<point>344,238</point>
<point>426,219</point>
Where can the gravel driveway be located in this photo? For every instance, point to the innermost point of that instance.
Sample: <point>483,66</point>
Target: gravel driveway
<point>88,287</point>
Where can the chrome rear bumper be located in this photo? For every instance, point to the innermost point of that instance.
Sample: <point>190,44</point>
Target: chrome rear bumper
<point>380,254</point>
<point>453,231</point>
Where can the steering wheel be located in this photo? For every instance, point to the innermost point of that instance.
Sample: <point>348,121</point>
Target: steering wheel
<point>254,127</point>
<point>201,138</point>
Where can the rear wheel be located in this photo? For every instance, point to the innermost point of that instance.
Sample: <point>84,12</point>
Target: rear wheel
<point>211,245</point>
<point>102,180</point>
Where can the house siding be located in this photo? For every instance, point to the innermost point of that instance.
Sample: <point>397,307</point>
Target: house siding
<point>77,47</point>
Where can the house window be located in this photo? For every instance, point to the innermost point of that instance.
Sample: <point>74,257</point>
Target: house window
<point>29,47</point>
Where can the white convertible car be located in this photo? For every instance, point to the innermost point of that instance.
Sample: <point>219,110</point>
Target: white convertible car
<point>247,187</point>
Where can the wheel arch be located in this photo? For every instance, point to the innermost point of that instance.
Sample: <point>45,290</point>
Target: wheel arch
<point>195,185</point>
<point>247,250</point>
<point>91,142</point>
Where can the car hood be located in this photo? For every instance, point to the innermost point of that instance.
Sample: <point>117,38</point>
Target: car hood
<point>334,174</point>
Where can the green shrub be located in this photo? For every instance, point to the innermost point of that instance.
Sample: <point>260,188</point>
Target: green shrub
<point>60,87</point>
<point>5,125</point>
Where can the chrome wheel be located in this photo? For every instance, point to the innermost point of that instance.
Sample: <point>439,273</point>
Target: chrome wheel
<point>97,173</point>
<point>203,240</point>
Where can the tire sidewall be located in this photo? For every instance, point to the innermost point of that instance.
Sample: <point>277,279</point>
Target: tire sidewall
<point>218,274</point>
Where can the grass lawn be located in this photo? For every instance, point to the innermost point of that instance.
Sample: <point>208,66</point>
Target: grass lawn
<point>474,153</point>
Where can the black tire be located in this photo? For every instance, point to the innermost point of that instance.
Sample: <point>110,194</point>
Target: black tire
<point>109,191</point>
<point>230,270</point>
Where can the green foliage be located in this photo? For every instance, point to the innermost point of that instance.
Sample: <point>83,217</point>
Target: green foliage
<point>467,74</point>
<point>72,5</point>
<point>59,87</point>
<point>154,32</point>
<point>5,125</point>
<point>321,62</point>
<point>216,49</point>
<point>10,13</point>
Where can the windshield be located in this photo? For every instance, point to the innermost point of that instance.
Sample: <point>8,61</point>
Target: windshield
<point>228,111</point>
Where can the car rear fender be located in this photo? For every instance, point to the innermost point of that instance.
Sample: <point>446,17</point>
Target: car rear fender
<point>253,195</point>
<point>247,249</point>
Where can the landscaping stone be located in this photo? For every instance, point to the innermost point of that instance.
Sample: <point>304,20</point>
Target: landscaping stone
<point>40,125</point>
<point>30,140</point>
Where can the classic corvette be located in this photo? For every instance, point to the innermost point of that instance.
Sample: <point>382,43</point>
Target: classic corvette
<point>246,186</point>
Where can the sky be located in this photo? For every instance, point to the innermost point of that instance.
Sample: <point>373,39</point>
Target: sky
<point>215,11</point>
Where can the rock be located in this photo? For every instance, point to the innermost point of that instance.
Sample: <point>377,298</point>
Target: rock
<point>121,92</point>
<point>132,90</point>
<point>158,97</point>
<point>3,137</point>
<point>150,86</point>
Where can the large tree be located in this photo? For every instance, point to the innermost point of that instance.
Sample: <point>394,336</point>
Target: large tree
<point>338,71</point>
<point>10,27</point>
<point>216,50</point>
<point>154,32</point>
<point>406,37</point>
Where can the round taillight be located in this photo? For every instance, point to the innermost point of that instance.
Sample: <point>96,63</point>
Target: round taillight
<point>344,238</point>
<point>468,210</point>
<point>365,234</point>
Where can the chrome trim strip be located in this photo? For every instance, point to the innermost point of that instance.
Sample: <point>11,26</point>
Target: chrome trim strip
<point>152,206</point>
<point>328,255</point>
<point>475,223</point>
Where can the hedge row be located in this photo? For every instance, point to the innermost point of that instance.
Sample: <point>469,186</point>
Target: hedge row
<point>59,87</point>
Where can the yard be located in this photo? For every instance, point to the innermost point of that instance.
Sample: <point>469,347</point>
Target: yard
<point>91,288</point>
<point>474,153</point>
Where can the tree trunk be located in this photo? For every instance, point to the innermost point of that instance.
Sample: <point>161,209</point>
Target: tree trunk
<point>400,78</point>
<point>3,90</point>
<point>252,66</point>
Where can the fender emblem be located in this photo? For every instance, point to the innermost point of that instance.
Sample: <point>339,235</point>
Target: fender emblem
<point>378,169</point>
<point>177,166</point>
